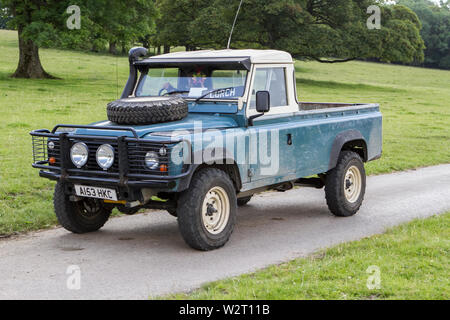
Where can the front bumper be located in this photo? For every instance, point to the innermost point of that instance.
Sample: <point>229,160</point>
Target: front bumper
<point>122,177</point>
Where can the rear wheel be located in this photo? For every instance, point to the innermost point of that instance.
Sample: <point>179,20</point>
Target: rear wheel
<point>207,210</point>
<point>346,185</point>
<point>83,216</point>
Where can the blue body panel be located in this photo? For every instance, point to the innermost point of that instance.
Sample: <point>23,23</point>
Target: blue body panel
<point>209,121</point>
<point>312,134</point>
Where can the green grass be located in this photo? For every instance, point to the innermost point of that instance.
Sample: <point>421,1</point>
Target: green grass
<point>415,104</point>
<point>413,260</point>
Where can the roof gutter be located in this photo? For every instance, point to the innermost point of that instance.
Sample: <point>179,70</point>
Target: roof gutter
<point>243,63</point>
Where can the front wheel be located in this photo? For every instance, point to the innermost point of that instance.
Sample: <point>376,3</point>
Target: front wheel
<point>346,185</point>
<point>207,210</point>
<point>83,216</point>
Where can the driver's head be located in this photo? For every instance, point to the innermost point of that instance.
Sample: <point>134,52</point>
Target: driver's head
<point>198,78</point>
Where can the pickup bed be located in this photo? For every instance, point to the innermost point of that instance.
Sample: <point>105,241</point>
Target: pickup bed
<point>198,134</point>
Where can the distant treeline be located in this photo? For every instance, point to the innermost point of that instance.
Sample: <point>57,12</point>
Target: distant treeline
<point>435,30</point>
<point>413,32</point>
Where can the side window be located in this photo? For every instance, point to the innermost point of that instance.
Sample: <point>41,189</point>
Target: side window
<point>272,80</point>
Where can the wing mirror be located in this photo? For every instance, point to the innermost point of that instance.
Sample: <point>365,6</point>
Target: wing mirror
<point>263,101</point>
<point>262,105</point>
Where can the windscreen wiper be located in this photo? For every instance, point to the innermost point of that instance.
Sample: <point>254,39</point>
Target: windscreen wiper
<point>175,92</point>
<point>212,91</point>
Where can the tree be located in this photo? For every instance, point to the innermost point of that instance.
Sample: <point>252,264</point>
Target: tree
<point>324,30</point>
<point>435,32</point>
<point>36,23</point>
<point>42,23</point>
<point>119,22</point>
<point>176,18</point>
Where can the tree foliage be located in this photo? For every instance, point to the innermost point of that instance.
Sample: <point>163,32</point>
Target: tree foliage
<point>4,17</point>
<point>313,29</point>
<point>324,30</point>
<point>42,23</point>
<point>435,31</point>
<point>37,23</point>
<point>112,22</point>
<point>175,22</point>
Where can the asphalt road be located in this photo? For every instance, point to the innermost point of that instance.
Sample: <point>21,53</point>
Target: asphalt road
<point>141,256</point>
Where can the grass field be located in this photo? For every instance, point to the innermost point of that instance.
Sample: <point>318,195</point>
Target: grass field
<point>415,103</point>
<point>413,263</point>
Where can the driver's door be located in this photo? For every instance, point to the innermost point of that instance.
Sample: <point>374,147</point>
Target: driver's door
<point>271,151</point>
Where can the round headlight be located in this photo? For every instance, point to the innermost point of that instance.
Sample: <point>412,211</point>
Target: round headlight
<point>152,160</point>
<point>51,145</point>
<point>105,156</point>
<point>79,154</point>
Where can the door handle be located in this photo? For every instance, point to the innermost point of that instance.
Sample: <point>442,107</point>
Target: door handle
<point>289,139</point>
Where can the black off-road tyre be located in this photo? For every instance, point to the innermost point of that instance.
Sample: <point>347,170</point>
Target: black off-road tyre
<point>74,217</point>
<point>190,205</point>
<point>243,201</point>
<point>335,185</point>
<point>147,110</point>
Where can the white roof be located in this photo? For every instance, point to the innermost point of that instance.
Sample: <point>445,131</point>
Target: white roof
<point>256,56</point>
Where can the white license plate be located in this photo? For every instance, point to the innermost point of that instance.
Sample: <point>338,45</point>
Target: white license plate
<point>95,192</point>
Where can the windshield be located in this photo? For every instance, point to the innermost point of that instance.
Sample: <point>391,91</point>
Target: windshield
<point>194,83</point>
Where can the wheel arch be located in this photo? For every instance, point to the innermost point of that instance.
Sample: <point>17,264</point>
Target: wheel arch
<point>228,165</point>
<point>350,140</point>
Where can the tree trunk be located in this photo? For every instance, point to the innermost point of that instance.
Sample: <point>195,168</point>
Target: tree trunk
<point>113,48</point>
<point>159,50</point>
<point>166,49</point>
<point>30,66</point>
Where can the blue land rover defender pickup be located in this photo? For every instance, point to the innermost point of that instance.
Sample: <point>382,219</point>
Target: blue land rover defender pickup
<point>198,134</point>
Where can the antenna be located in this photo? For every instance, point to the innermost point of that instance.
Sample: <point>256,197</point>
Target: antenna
<point>234,23</point>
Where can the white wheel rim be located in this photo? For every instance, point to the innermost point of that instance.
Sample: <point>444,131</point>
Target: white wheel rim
<point>216,210</point>
<point>352,184</point>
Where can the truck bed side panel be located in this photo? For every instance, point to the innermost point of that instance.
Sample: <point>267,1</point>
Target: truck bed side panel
<point>313,134</point>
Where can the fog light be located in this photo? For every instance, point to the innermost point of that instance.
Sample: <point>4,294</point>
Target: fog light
<point>79,154</point>
<point>105,156</point>
<point>152,160</point>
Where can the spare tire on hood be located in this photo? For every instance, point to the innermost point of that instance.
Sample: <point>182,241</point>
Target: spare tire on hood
<point>147,110</point>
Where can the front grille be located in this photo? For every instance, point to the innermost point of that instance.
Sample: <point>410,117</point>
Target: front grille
<point>136,155</point>
<point>40,149</point>
<point>41,153</point>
